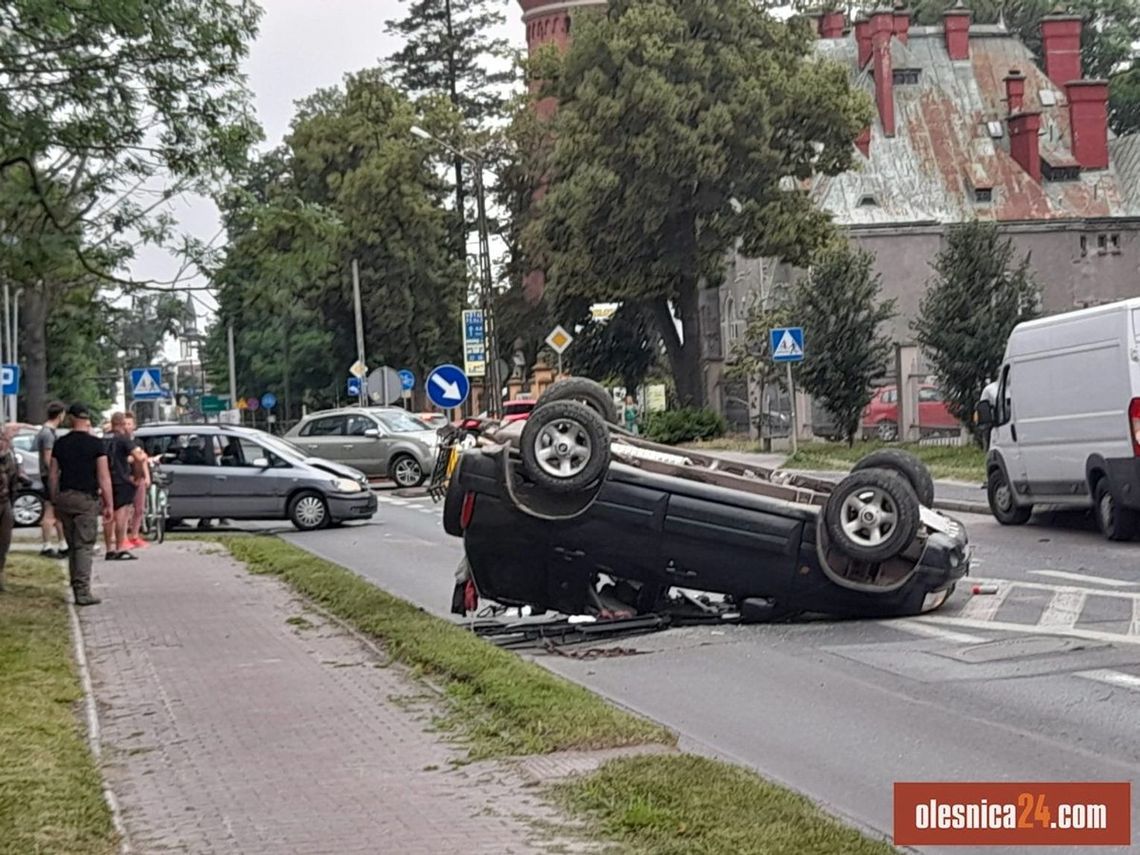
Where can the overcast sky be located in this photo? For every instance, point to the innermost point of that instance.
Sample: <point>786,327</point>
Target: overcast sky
<point>302,46</point>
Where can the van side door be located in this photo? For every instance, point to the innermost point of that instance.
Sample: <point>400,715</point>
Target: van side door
<point>1004,435</point>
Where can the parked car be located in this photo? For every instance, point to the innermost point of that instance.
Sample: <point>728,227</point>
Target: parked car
<point>28,503</point>
<point>1065,424</point>
<point>517,410</point>
<point>881,416</point>
<point>567,514</point>
<point>382,442</point>
<point>230,472</point>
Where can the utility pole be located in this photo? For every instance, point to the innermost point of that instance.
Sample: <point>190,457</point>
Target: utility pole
<point>359,330</point>
<point>232,363</point>
<point>487,297</point>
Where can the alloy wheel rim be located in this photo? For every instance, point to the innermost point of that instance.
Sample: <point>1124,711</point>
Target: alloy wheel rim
<point>407,473</point>
<point>869,516</point>
<point>310,511</point>
<point>562,448</point>
<point>27,509</point>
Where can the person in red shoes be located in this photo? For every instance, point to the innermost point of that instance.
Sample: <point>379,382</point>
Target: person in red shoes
<point>140,476</point>
<point>120,449</point>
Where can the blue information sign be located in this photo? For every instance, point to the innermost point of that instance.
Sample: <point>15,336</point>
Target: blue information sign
<point>407,380</point>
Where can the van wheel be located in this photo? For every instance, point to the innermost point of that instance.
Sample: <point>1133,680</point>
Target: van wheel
<point>565,447</point>
<point>1002,503</point>
<point>905,464</point>
<point>309,511</point>
<point>1115,522</point>
<point>872,515</point>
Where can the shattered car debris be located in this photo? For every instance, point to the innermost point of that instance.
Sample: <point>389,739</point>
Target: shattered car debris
<point>569,514</point>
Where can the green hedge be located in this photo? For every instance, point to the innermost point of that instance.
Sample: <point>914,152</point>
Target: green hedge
<point>676,426</point>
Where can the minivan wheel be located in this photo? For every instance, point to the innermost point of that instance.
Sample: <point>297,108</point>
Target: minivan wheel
<point>309,511</point>
<point>27,509</point>
<point>1116,523</point>
<point>406,471</point>
<point>1002,503</point>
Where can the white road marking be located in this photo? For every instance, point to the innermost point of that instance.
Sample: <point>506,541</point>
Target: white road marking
<point>1135,628</point>
<point>909,625</point>
<point>1042,586</point>
<point>1030,629</point>
<point>1084,577</point>
<point>985,606</point>
<point>1064,610</point>
<point>1113,678</point>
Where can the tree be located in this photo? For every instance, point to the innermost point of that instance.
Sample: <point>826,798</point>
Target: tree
<point>448,51</point>
<point>625,347</point>
<point>979,294</point>
<point>682,127</point>
<point>842,319</point>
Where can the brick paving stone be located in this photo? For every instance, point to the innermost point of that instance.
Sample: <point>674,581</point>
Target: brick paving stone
<point>228,729</point>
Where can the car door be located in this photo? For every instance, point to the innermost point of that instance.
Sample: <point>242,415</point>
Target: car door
<point>324,436</point>
<point>366,445</point>
<point>251,482</point>
<point>1004,434</point>
<point>188,458</point>
<point>932,410</point>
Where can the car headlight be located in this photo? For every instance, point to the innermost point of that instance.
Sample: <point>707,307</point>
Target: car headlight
<point>346,485</point>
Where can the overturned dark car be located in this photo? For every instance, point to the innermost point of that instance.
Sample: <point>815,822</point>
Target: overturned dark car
<point>568,513</point>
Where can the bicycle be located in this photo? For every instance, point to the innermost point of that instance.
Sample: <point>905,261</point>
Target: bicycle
<point>157,509</point>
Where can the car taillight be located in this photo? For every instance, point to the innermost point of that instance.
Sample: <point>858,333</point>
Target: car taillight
<point>468,510</point>
<point>1134,425</point>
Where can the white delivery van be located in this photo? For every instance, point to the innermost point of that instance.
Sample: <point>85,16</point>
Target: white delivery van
<point>1065,426</point>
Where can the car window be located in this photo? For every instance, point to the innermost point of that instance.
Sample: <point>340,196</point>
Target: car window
<point>518,408</point>
<point>400,422</point>
<point>357,425</point>
<point>183,449</point>
<point>890,396</point>
<point>1004,401</point>
<point>929,395</point>
<point>325,426</point>
<point>242,452</point>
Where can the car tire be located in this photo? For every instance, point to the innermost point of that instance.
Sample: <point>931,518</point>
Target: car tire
<point>565,447</point>
<point>872,515</point>
<point>308,511</point>
<point>1003,505</point>
<point>905,464</point>
<point>406,471</point>
<point>27,509</point>
<point>887,431</point>
<point>584,391</point>
<point>1115,522</point>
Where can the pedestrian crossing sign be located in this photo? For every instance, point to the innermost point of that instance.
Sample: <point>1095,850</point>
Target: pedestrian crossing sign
<point>146,383</point>
<point>787,344</point>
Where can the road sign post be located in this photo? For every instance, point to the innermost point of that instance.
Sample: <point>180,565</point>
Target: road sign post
<point>787,346</point>
<point>559,340</point>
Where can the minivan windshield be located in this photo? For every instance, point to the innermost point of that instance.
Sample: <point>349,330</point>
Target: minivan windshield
<point>399,422</point>
<point>281,446</point>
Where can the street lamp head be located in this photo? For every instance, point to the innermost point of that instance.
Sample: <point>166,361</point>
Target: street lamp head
<point>417,131</point>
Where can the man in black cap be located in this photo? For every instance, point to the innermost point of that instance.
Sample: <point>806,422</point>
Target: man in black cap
<point>80,476</point>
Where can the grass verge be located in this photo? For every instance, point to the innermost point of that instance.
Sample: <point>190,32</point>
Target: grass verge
<point>681,804</point>
<point>502,704</point>
<point>51,797</point>
<point>733,442</point>
<point>960,463</point>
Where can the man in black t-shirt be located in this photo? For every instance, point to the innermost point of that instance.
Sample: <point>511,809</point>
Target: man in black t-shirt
<point>80,477</point>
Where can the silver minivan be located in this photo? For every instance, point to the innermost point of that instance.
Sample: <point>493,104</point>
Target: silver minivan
<point>229,472</point>
<point>382,442</point>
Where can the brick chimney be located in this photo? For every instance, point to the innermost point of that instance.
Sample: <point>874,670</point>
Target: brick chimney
<point>863,40</point>
<point>956,27</point>
<point>1088,122</point>
<point>882,28</point>
<point>830,25</point>
<point>1014,91</point>
<point>1061,47</point>
<point>1024,146</point>
<point>902,24</point>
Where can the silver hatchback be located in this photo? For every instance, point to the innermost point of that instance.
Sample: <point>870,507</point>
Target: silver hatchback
<point>382,442</point>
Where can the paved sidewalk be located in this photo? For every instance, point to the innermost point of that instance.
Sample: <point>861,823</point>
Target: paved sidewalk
<point>236,721</point>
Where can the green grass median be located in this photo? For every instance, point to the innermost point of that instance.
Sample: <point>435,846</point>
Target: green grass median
<point>51,798</point>
<point>958,463</point>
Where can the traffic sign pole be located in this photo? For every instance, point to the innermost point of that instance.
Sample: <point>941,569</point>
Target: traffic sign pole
<point>359,326</point>
<point>792,398</point>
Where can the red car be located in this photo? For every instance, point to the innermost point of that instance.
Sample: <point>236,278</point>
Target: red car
<point>517,411</point>
<point>881,416</point>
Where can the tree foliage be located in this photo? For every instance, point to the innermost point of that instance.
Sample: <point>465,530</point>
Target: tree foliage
<point>979,294</point>
<point>683,126</point>
<point>842,319</point>
<point>625,347</point>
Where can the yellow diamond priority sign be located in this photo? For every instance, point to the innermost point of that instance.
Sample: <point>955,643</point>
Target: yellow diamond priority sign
<point>559,340</point>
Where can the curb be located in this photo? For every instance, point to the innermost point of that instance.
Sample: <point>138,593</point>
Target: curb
<point>961,507</point>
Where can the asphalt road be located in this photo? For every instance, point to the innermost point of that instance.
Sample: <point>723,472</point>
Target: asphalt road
<point>1039,682</point>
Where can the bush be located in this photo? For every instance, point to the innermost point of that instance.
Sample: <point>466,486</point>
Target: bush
<point>675,426</point>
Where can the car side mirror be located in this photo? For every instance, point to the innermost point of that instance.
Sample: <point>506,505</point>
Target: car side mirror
<point>984,414</point>
<point>372,433</point>
<point>261,462</point>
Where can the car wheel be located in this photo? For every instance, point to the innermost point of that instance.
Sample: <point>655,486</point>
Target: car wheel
<point>309,511</point>
<point>887,431</point>
<point>1116,523</point>
<point>872,515</point>
<point>565,447</point>
<point>27,509</point>
<point>406,471</point>
<point>905,464</point>
<point>584,391</point>
<point>1003,505</point>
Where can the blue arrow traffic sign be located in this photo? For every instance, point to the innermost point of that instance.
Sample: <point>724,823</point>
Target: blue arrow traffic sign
<point>447,386</point>
<point>146,383</point>
<point>11,375</point>
<point>353,387</point>
<point>268,401</point>
<point>407,380</point>
<point>787,344</point>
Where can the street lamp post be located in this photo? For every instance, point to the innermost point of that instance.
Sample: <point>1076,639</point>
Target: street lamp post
<point>493,383</point>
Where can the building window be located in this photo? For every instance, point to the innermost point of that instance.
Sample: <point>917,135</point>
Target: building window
<point>905,76</point>
<point>1084,246</point>
<point>1102,244</point>
<point>1060,173</point>
<point>868,201</point>
<point>1114,243</point>
<point>983,194</point>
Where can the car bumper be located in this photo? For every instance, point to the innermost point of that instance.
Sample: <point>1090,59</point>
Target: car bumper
<point>355,506</point>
